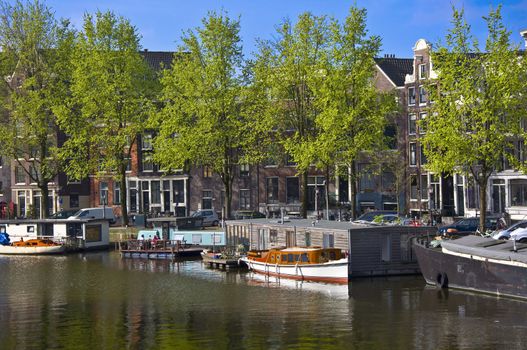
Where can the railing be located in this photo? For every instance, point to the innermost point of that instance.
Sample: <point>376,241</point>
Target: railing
<point>151,245</point>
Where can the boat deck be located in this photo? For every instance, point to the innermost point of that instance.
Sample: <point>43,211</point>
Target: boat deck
<point>488,248</point>
<point>162,249</point>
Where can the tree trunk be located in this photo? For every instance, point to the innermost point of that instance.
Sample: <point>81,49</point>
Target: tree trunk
<point>327,193</point>
<point>482,182</point>
<point>353,188</point>
<point>44,190</point>
<point>124,195</point>
<point>304,194</point>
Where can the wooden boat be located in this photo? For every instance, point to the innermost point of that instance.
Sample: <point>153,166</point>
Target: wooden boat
<point>475,263</point>
<point>307,264</point>
<point>32,247</point>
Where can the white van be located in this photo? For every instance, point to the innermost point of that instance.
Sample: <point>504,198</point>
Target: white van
<point>95,213</point>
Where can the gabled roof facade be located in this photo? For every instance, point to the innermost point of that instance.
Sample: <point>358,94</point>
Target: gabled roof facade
<point>395,68</point>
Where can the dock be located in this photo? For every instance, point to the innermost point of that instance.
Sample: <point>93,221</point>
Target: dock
<point>161,249</point>
<point>214,260</point>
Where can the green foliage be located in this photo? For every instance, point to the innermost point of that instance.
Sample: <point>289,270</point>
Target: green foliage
<point>111,94</point>
<point>205,119</point>
<point>479,105</point>
<point>35,58</point>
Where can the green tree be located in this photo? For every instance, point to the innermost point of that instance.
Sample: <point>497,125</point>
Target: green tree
<point>352,113</point>
<point>478,107</point>
<point>112,91</point>
<point>203,121</point>
<point>289,66</point>
<point>35,59</point>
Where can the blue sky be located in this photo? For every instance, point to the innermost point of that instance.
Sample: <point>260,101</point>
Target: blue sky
<point>399,23</point>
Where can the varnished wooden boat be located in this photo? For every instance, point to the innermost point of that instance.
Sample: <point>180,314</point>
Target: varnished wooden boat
<point>308,264</point>
<point>32,247</point>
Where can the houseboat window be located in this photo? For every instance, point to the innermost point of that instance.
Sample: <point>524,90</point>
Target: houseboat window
<point>332,255</point>
<point>31,229</point>
<point>284,258</point>
<point>273,236</point>
<point>93,233</point>
<point>304,258</point>
<point>290,258</point>
<point>272,258</point>
<point>74,230</point>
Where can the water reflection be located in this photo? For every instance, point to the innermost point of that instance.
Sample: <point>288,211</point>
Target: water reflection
<point>102,301</point>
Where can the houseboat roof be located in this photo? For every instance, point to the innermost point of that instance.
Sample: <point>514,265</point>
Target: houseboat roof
<point>487,248</point>
<point>305,223</point>
<point>47,221</point>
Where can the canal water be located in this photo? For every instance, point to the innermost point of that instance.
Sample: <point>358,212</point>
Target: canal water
<point>100,301</point>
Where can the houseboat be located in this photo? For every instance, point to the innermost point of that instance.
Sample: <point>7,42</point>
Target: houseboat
<point>475,263</point>
<point>306,264</point>
<point>371,250</point>
<point>74,234</point>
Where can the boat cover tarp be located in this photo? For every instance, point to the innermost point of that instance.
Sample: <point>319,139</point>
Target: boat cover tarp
<point>487,248</point>
<point>4,239</point>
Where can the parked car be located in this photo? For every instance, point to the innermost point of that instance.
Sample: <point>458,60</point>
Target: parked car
<point>247,214</point>
<point>468,225</point>
<point>506,233</point>
<point>63,214</point>
<point>370,217</point>
<point>519,235</point>
<point>210,217</point>
<point>95,213</point>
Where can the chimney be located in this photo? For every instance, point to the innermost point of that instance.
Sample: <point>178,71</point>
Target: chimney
<point>523,33</point>
<point>146,50</point>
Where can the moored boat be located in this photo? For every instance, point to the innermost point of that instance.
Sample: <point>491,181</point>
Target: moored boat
<point>32,247</point>
<point>308,264</point>
<point>475,263</point>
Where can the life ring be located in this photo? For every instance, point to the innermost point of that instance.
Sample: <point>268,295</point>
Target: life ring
<point>442,280</point>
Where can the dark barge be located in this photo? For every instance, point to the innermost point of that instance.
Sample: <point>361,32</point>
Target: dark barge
<point>475,263</point>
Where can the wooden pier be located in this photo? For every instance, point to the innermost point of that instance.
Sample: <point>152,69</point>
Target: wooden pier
<point>161,249</point>
<point>217,262</point>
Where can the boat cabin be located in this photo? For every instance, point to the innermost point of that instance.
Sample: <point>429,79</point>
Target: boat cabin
<point>297,256</point>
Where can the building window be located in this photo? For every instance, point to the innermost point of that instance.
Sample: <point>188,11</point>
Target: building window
<point>245,199</point>
<point>413,187</point>
<point>206,199</point>
<point>74,200</point>
<point>1,162</point>
<point>146,142</point>
<point>207,172</point>
<point>424,186</point>
<point>292,188</point>
<point>20,175</point>
<point>289,161</point>
<point>413,157</point>
<point>148,164</point>
<point>422,71</point>
<point>21,203</point>
<point>411,96</point>
<point>412,124</point>
<point>103,192</point>
<point>272,189</point>
<point>244,170</point>
<point>422,122</point>
<point>367,179</point>
<point>128,161</point>
<point>422,95</point>
<point>155,192</point>
<point>424,160</point>
<point>518,190</point>
<point>388,181</point>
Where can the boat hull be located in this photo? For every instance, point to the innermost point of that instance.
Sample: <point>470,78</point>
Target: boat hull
<point>41,250</point>
<point>472,273</point>
<point>330,272</point>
